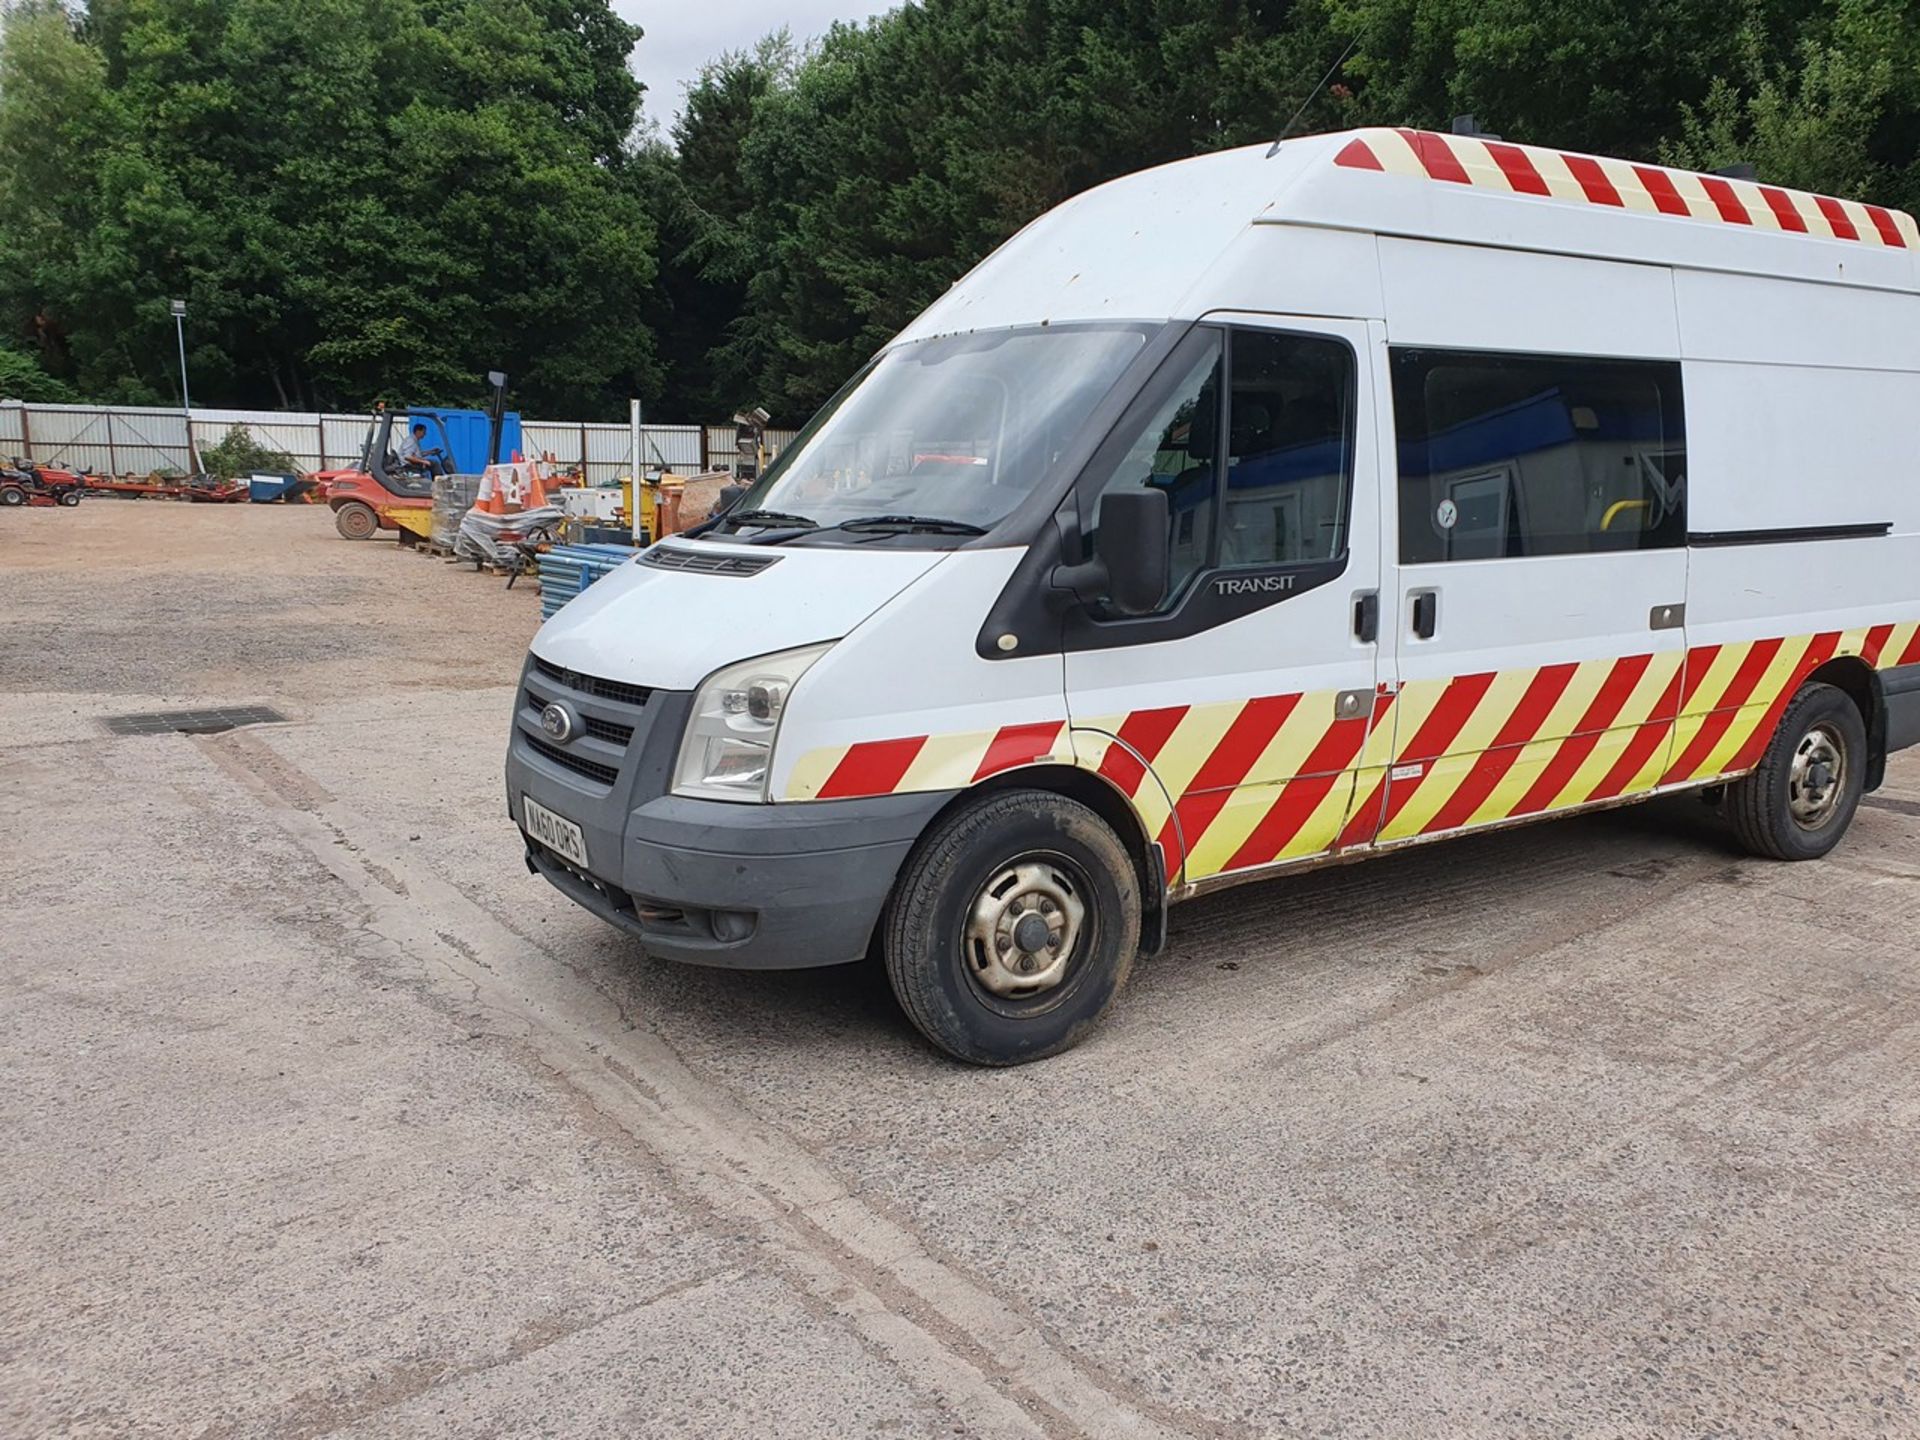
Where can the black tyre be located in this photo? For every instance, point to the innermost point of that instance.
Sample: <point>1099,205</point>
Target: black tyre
<point>68,497</point>
<point>1801,798</point>
<point>11,495</point>
<point>355,521</point>
<point>1012,927</point>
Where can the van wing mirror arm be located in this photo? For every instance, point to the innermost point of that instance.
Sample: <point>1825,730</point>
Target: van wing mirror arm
<point>1128,569</point>
<point>1086,582</point>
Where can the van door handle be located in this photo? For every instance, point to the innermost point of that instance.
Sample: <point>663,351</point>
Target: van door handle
<point>1426,614</point>
<point>1366,617</point>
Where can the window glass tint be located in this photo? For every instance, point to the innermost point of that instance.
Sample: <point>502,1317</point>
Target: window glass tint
<point>1509,455</point>
<point>1290,450</point>
<point>1176,451</point>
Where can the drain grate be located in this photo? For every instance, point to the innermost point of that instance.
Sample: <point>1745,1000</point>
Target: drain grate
<point>192,722</point>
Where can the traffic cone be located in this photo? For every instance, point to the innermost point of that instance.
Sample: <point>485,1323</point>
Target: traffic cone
<point>488,502</point>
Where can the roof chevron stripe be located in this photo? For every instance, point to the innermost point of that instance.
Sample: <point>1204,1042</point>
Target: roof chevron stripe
<point>1553,175</point>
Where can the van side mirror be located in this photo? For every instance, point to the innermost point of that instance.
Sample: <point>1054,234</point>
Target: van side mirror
<point>1129,567</point>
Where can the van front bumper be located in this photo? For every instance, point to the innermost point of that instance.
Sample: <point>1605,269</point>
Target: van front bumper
<point>750,887</point>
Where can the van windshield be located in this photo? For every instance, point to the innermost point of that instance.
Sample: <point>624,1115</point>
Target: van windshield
<point>956,429</point>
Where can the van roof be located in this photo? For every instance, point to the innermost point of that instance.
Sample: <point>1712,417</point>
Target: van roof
<point>1167,242</point>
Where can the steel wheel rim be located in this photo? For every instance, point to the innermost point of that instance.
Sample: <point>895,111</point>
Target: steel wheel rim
<point>1026,929</point>
<point>1817,779</point>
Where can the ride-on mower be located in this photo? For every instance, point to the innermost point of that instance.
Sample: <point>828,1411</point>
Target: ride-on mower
<point>24,483</point>
<point>381,491</point>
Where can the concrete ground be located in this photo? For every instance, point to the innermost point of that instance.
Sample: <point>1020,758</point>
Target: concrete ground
<point>322,1117</point>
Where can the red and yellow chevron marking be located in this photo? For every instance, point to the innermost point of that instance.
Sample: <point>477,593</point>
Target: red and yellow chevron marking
<point>1270,774</point>
<point>1619,184</point>
<point>926,762</point>
<point>1242,784</point>
<point>1725,726</point>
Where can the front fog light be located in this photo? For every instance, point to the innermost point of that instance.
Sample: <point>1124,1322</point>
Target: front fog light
<point>728,750</point>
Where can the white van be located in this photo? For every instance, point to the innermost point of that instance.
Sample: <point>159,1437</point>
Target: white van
<point>1265,509</point>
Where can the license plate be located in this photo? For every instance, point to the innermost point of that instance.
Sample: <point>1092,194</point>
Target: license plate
<point>556,832</point>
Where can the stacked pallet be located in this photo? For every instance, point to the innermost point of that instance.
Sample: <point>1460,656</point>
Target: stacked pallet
<point>566,570</point>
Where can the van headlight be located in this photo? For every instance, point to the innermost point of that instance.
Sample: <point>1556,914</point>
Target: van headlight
<point>727,753</point>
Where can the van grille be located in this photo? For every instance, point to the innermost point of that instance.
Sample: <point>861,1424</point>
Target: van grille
<point>567,759</point>
<point>610,731</point>
<point>616,690</point>
<point>607,730</point>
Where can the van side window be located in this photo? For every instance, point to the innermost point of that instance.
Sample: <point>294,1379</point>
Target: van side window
<point>1290,450</point>
<point>1177,451</point>
<point>1511,455</point>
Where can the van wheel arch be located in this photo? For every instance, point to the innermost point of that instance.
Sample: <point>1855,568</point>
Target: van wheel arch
<point>1860,683</point>
<point>1100,796</point>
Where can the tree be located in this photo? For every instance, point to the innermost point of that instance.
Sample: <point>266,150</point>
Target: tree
<point>709,248</point>
<point>907,149</point>
<point>1605,76</point>
<point>358,199</point>
<point>1843,118</point>
<point>58,141</point>
<point>21,378</point>
<point>366,199</point>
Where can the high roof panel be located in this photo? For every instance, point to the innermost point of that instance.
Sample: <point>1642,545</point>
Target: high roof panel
<point>1558,176</point>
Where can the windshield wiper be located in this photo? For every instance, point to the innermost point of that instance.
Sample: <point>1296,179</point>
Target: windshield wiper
<point>932,523</point>
<point>780,518</point>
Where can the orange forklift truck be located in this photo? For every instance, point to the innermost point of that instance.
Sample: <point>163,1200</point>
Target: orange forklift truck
<point>380,492</point>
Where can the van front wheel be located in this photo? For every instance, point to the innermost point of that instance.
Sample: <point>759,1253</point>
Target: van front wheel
<point>1012,927</point>
<point>1800,799</point>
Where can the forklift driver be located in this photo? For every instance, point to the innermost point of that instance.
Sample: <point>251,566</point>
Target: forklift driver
<point>415,456</point>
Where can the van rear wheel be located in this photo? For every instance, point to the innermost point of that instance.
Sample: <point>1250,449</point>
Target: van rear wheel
<point>1012,927</point>
<point>1801,798</point>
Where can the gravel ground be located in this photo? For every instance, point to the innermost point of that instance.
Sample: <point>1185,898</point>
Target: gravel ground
<point>323,1117</point>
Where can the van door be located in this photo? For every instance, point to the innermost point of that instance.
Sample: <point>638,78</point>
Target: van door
<point>1537,561</point>
<point>1235,715</point>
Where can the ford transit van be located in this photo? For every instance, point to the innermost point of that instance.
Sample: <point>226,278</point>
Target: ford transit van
<point>1281,506</point>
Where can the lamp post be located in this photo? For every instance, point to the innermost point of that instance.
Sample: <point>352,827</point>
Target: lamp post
<point>179,308</point>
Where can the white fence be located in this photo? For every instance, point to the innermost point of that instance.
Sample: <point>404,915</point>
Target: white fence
<point>121,440</point>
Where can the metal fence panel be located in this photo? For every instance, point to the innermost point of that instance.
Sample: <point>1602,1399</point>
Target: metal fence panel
<point>140,441</point>
<point>609,453</point>
<point>604,451</point>
<point>296,436</point>
<point>345,434</point>
<point>137,439</point>
<point>85,437</point>
<point>675,446</point>
<point>553,438</point>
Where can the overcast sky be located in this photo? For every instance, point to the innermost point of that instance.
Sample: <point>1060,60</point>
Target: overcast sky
<point>682,35</point>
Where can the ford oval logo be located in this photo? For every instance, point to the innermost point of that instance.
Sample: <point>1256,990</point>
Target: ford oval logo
<point>558,722</point>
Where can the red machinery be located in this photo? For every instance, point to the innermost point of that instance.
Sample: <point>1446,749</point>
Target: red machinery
<point>24,483</point>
